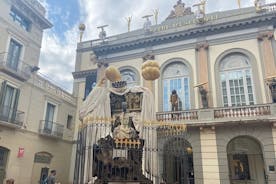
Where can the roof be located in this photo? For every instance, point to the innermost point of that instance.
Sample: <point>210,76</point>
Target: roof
<point>182,28</point>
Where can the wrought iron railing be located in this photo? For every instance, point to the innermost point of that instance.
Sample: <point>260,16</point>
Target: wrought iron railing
<point>11,115</point>
<point>51,128</point>
<point>219,114</point>
<point>20,69</point>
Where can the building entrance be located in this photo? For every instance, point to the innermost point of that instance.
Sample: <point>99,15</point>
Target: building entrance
<point>178,162</point>
<point>3,163</point>
<point>245,161</point>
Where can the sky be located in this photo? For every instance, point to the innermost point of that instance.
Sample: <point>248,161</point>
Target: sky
<point>57,57</point>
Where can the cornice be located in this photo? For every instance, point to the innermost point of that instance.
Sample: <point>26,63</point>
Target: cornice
<point>204,30</point>
<point>32,13</point>
<point>83,74</point>
<point>185,46</point>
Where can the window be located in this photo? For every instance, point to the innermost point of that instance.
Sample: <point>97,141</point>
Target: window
<point>8,102</point>
<point>69,122</point>
<point>90,83</point>
<point>236,80</point>
<point>20,19</point>
<point>130,77</point>
<point>14,55</point>
<point>49,118</point>
<point>176,77</point>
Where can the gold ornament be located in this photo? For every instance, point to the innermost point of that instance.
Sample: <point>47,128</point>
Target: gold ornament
<point>112,74</point>
<point>150,70</point>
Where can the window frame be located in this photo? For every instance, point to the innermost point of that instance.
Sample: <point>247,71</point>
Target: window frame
<point>70,127</point>
<point>12,40</point>
<point>21,20</point>
<point>15,99</point>
<point>136,73</point>
<point>256,77</point>
<point>191,81</point>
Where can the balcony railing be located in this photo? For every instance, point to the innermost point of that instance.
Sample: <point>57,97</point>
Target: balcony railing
<point>10,116</point>
<point>179,115</point>
<point>20,70</point>
<point>212,115</point>
<point>51,129</point>
<point>245,111</point>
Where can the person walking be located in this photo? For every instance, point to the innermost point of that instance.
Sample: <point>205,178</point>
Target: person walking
<point>51,179</point>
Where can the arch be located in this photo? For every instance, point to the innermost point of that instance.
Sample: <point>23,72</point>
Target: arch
<point>189,71</point>
<point>178,161</point>
<point>43,157</point>
<point>245,160</point>
<point>132,70</point>
<point>257,144</point>
<point>254,67</point>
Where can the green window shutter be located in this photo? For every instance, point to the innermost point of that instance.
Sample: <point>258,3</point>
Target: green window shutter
<point>14,108</point>
<point>2,93</point>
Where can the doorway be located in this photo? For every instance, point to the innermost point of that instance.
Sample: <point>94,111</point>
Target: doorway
<point>178,162</point>
<point>245,161</point>
<point>3,163</point>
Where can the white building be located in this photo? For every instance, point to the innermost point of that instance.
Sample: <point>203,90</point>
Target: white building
<point>233,53</point>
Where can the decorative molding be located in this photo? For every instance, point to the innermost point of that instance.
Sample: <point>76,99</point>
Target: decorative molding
<point>202,46</point>
<point>100,64</point>
<point>32,14</point>
<point>180,10</point>
<point>265,35</point>
<point>83,74</point>
<point>148,57</point>
<point>204,30</point>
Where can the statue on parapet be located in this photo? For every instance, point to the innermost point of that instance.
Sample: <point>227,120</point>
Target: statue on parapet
<point>203,93</point>
<point>174,100</point>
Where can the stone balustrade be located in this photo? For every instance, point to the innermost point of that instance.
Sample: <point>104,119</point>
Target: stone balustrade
<point>213,115</point>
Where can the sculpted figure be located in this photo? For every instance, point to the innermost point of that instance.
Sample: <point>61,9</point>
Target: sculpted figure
<point>203,92</point>
<point>174,100</point>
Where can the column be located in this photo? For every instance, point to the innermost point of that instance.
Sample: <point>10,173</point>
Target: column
<point>209,155</point>
<point>267,53</point>
<point>202,50</point>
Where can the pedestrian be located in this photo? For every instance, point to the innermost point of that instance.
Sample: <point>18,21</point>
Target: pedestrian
<point>52,177</point>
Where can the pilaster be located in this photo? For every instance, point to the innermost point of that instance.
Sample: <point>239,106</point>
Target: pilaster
<point>209,155</point>
<point>267,53</point>
<point>202,50</point>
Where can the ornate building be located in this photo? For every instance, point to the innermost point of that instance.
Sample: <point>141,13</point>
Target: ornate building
<point>223,67</point>
<point>36,116</point>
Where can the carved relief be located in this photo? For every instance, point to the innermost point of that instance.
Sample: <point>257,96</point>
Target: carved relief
<point>133,100</point>
<point>269,35</point>
<point>180,10</point>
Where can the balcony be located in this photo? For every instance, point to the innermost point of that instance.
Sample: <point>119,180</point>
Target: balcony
<point>212,116</point>
<point>11,117</point>
<point>21,71</point>
<point>51,129</point>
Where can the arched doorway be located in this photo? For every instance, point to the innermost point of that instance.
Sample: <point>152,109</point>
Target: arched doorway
<point>4,153</point>
<point>245,161</point>
<point>41,167</point>
<point>178,162</point>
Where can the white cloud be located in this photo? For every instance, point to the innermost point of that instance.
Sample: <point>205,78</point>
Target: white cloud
<point>58,56</point>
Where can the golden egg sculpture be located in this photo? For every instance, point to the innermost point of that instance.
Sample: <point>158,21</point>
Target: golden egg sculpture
<point>82,27</point>
<point>112,74</point>
<point>150,70</point>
